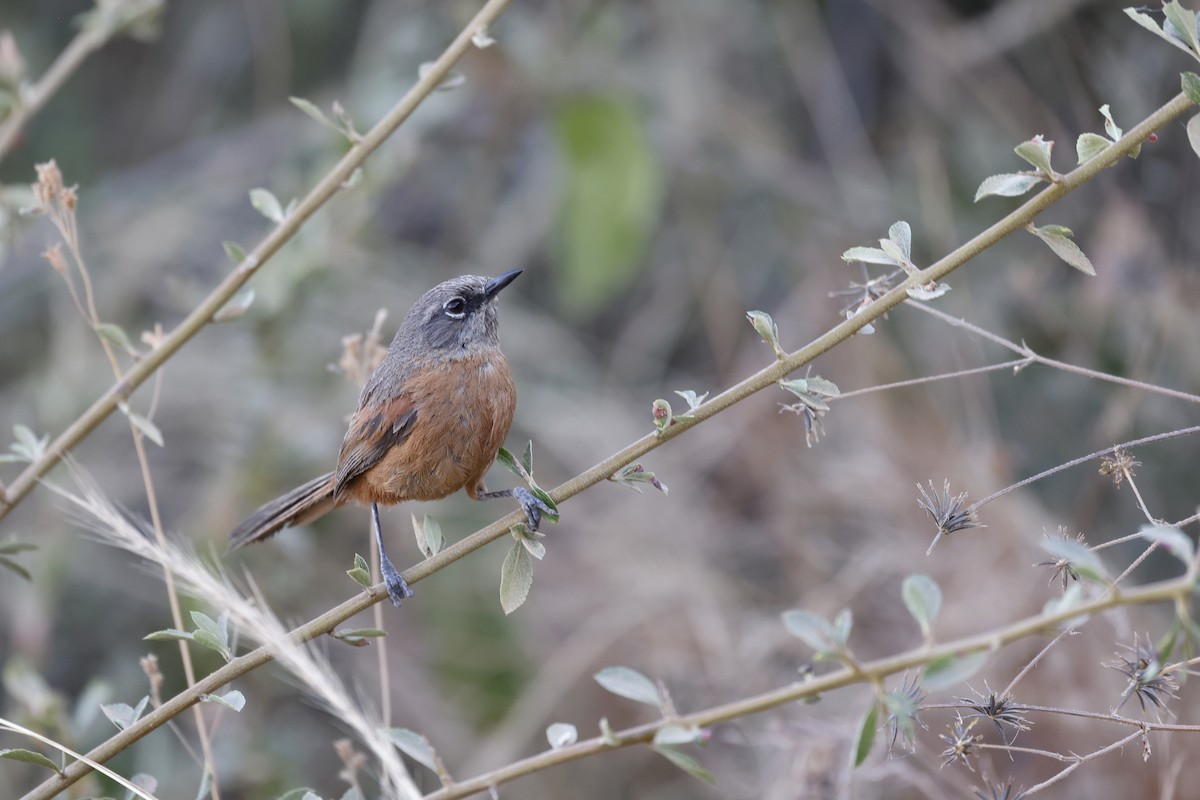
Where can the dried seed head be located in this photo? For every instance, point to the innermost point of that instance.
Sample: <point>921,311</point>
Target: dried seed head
<point>947,511</point>
<point>1119,466</point>
<point>961,744</point>
<point>1150,680</point>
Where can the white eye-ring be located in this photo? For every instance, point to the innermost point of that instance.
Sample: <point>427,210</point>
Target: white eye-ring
<point>455,308</point>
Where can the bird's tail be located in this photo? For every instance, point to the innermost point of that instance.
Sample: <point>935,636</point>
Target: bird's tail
<point>299,506</point>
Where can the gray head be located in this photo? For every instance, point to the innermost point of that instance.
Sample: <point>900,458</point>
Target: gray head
<point>457,315</point>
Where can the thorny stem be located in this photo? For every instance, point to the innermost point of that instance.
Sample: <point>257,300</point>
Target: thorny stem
<point>1081,760</point>
<point>1158,437</point>
<point>325,623</point>
<point>1025,351</point>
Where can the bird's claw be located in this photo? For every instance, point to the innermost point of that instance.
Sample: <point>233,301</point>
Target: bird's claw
<point>532,505</point>
<point>397,587</point>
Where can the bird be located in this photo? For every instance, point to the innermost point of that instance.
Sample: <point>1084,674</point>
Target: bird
<point>430,421</point>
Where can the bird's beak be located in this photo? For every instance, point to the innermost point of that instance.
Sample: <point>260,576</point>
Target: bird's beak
<point>493,287</point>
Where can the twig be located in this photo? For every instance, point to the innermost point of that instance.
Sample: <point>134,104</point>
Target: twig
<point>1081,760</point>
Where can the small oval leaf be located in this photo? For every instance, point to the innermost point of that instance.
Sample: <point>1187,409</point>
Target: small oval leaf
<point>29,757</point>
<point>923,599</point>
<point>414,745</point>
<point>629,683</point>
<point>561,734</point>
<point>866,735</point>
<point>951,670</point>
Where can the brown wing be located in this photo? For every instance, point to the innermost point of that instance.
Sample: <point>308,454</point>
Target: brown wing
<point>373,432</point>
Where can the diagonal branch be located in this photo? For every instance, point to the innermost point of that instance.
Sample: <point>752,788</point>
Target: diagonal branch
<point>279,236</point>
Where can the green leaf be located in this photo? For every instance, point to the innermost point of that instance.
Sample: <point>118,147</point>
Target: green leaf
<point>516,578</point>
<point>894,252</point>
<point>691,398</point>
<point>1190,83</point>
<point>1084,561</point>
<point>1111,128</point>
<point>147,428</point>
<point>413,745</point>
<point>311,110</point>
<point>236,307</point>
<point>866,734</point>
<point>1193,133</point>
<point>527,457</point>
<point>1009,184</point>
<point>1065,602</point>
<point>923,599</point>
<point>358,637</point>
<point>8,563</point>
<point>1171,539</point>
<point>360,573</point>
<point>12,546</point>
<point>115,335</point>
<point>528,540</point>
<point>122,715</point>
<point>812,629</point>
<point>231,699</point>
<point>686,763</point>
<point>767,329</point>
<point>27,444</point>
<point>869,255</point>
<point>168,635</point>
<point>1089,145</point>
<point>842,623</point>
<point>900,234</point>
<point>1065,249</point>
<point>1147,22</point>
<point>299,794</point>
<point>215,629</point>
<point>29,757</point>
<point>1037,152</point>
<point>629,683</point>
<point>610,191</point>
<point>508,461</point>
<point>267,204</point>
<point>561,734</point>
<point>951,670</point>
<point>234,252</point>
<point>1183,21</point>
<point>429,536</point>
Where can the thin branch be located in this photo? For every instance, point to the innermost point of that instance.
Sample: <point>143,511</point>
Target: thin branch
<point>1025,351</point>
<point>1016,364</point>
<point>1158,437</point>
<point>200,317</point>
<point>1081,760</point>
<point>869,671</point>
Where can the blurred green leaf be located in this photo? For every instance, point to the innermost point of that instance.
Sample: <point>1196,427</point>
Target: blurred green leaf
<point>677,734</point>
<point>231,699</point>
<point>115,335</point>
<point>358,637</point>
<point>1010,184</point>
<point>1193,133</point>
<point>429,536</point>
<point>267,204</point>
<point>1037,152</point>
<point>767,329</point>
<point>951,670</point>
<point>1190,83</point>
<point>360,573</point>
<point>414,745</point>
<point>923,599</point>
<point>869,255</point>
<point>236,307</point>
<point>148,428</point>
<point>516,578</point>
<point>812,629</point>
<point>1167,32</point>
<point>609,199</point>
<point>629,683</point>
<point>1171,539</point>
<point>29,757</point>
<point>900,234</point>
<point>527,457</point>
<point>1089,145</point>
<point>122,714</point>
<point>234,252</point>
<point>1182,24</point>
<point>866,734</point>
<point>1064,248</point>
<point>686,763</point>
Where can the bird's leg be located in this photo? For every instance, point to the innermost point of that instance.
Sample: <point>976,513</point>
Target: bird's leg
<point>397,588</point>
<point>529,502</point>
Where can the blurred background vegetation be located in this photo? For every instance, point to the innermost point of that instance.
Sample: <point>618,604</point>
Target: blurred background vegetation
<point>658,169</point>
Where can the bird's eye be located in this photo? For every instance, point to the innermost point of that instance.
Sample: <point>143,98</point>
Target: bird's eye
<point>455,307</point>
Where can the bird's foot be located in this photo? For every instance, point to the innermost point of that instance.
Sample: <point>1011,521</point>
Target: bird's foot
<point>532,505</point>
<point>397,587</point>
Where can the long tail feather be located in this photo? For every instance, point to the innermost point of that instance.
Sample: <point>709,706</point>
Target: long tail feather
<point>299,506</point>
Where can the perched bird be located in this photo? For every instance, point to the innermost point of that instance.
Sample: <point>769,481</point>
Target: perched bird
<point>430,421</point>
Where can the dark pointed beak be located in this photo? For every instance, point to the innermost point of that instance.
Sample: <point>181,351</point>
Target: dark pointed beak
<point>493,287</point>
